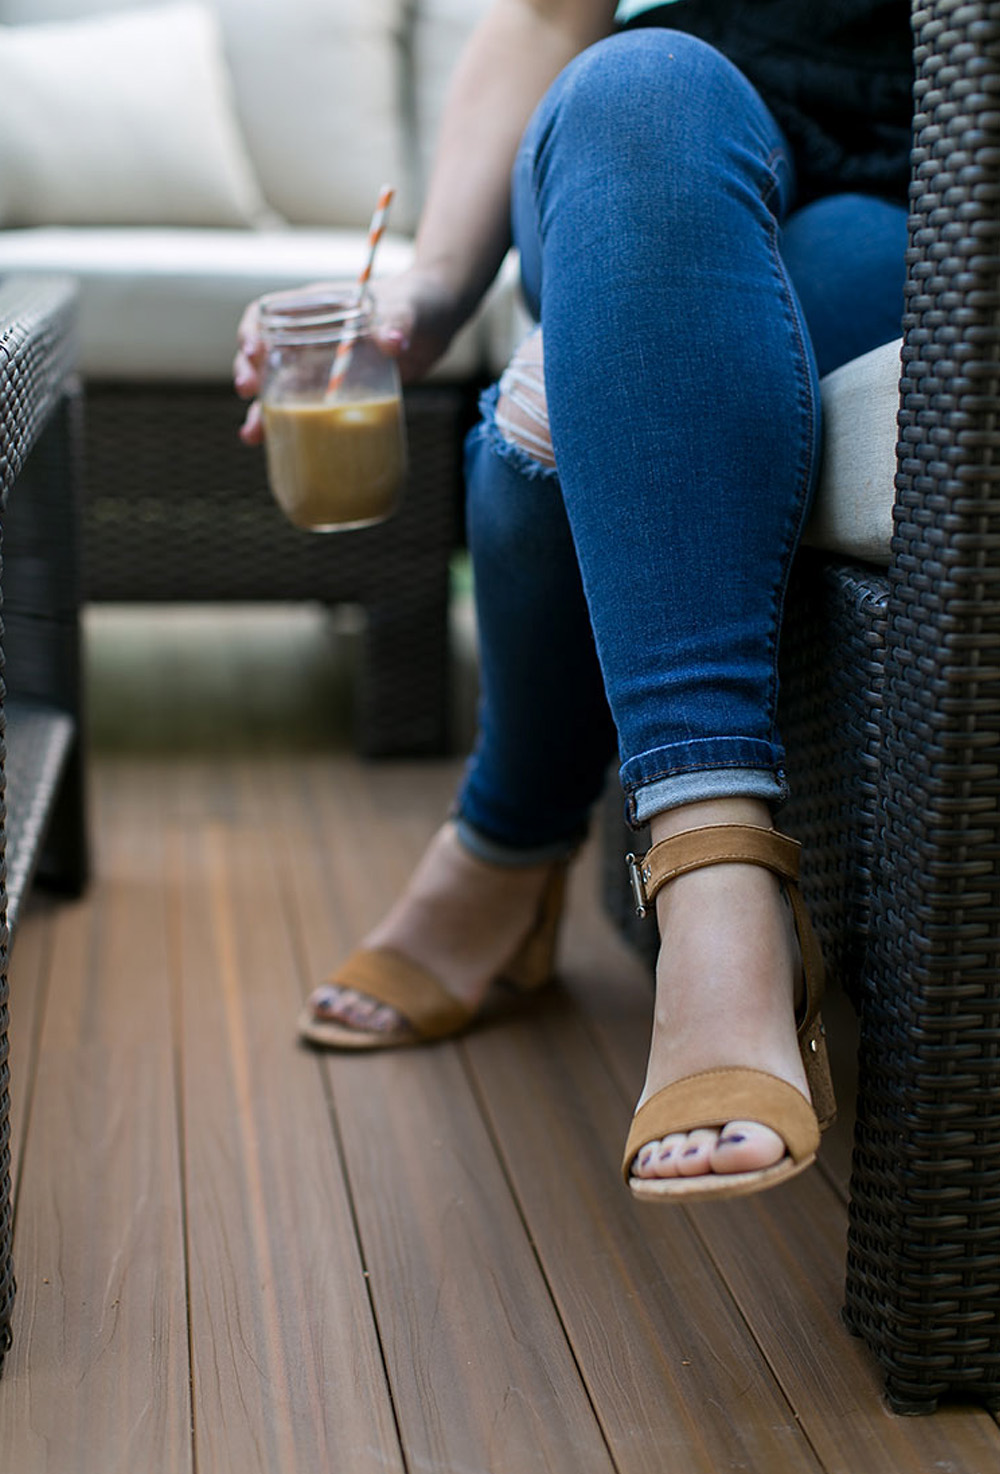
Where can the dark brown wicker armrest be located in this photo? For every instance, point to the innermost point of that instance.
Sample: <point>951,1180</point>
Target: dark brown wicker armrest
<point>36,354</point>
<point>41,765</point>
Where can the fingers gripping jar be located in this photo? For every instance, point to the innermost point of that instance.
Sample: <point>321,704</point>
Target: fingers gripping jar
<point>332,408</point>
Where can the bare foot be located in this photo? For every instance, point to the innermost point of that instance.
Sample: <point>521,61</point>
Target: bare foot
<point>459,917</point>
<point>727,974</point>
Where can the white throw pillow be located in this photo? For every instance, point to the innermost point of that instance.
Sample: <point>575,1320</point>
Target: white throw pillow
<point>318,86</point>
<point>122,119</point>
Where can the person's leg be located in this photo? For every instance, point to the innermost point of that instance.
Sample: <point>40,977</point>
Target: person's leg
<point>852,301</point>
<point>682,396</point>
<point>845,256</point>
<point>558,778</point>
<point>545,735</point>
<point>682,393</point>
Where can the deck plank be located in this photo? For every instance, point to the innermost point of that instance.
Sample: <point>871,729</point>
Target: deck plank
<point>30,973</point>
<point>287,1370</point>
<point>97,1381</point>
<point>799,1233</point>
<point>782,1255</point>
<point>430,1249</point>
<point>482,1376</point>
<point>657,1336</point>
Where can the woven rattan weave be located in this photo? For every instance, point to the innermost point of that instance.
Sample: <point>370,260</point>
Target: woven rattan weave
<point>891,714</point>
<point>924,1273</point>
<point>41,777</point>
<point>177,509</point>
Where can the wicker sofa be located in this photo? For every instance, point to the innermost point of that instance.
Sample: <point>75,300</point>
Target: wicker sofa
<point>177,159</point>
<point>891,697</point>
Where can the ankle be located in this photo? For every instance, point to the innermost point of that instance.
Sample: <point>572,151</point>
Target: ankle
<point>704,812</point>
<point>461,917</point>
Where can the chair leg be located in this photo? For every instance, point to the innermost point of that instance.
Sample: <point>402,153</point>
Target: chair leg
<point>405,687</point>
<point>7,1286</point>
<point>65,860</point>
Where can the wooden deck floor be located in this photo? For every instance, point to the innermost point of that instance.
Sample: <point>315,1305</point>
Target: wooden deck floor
<point>236,1255</point>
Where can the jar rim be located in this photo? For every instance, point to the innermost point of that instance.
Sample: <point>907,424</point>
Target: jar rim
<point>307,314</point>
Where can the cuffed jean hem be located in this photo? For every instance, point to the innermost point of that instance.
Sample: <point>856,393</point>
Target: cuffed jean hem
<point>494,853</point>
<point>711,767</point>
<point>688,788</point>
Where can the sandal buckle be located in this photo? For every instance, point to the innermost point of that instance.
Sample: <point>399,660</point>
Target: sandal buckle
<point>638,875</point>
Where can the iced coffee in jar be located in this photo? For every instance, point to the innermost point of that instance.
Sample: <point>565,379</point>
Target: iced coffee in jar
<point>332,407</point>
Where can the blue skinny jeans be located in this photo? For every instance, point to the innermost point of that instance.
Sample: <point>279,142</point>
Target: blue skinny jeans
<point>633,596</point>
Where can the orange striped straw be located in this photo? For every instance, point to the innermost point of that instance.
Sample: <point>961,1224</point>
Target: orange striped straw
<point>375,231</point>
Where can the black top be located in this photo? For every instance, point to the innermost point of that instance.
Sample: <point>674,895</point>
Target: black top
<point>836,74</point>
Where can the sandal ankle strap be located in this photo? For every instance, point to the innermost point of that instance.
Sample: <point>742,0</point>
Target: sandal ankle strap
<point>712,844</point>
<point>719,844</point>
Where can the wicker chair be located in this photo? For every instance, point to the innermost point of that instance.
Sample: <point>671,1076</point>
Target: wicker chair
<point>42,790</point>
<point>891,697</point>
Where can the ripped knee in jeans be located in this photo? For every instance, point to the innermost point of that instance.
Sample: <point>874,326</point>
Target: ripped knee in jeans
<point>522,416</point>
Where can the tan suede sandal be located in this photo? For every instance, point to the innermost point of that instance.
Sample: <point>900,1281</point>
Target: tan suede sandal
<point>712,1098</point>
<point>389,977</point>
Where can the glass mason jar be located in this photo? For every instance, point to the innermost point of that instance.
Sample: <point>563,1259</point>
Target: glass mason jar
<point>332,408</point>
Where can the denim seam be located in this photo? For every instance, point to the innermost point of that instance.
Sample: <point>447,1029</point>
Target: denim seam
<point>774,770</point>
<point>675,771</point>
<point>797,517</point>
<point>772,784</point>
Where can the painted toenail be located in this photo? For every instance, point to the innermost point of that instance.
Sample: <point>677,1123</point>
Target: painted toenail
<point>692,1151</point>
<point>733,1140</point>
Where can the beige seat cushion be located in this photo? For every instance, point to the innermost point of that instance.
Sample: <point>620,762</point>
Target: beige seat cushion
<point>165,303</point>
<point>852,513</point>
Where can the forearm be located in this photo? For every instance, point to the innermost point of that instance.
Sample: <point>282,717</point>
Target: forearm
<point>515,54</point>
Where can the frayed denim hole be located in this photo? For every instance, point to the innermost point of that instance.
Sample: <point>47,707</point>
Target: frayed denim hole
<point>514,455</point>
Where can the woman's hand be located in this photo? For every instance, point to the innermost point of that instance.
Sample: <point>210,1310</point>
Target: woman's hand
<point>416,317</point>
<point>248,368</point>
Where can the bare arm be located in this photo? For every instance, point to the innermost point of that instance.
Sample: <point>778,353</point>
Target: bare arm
<point>518,50</point>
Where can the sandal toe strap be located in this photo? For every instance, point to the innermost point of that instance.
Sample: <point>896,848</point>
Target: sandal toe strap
<point>715,1097</point>
<point>393,979</point>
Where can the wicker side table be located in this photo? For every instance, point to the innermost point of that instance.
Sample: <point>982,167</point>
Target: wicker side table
<point>42,822</point>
